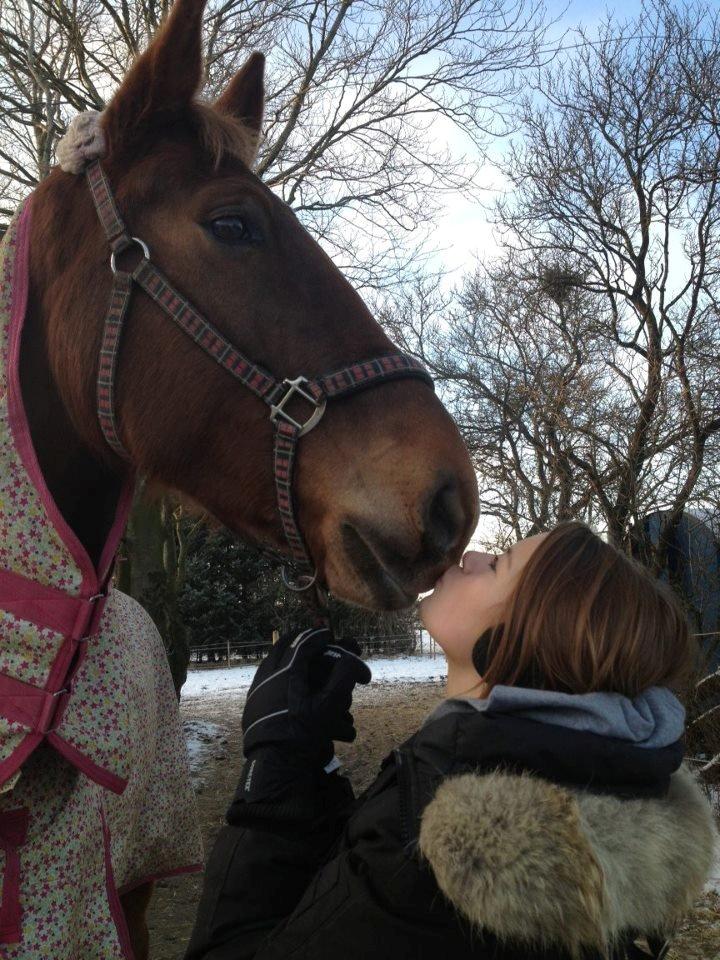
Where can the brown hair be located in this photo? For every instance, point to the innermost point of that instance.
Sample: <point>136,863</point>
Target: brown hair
<point>583,617</point>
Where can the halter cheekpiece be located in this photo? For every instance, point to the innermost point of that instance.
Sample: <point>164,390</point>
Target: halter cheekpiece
<point>277,394</point>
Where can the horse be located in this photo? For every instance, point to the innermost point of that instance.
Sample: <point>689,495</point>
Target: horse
<point>383,498</point>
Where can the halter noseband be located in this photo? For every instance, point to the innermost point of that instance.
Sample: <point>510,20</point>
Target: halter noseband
<point>275,393</point>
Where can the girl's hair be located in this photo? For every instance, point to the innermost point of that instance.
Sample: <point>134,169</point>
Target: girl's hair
<point>583,617</point>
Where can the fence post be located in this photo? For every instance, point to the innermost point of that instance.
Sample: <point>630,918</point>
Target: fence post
<point>228,651</point>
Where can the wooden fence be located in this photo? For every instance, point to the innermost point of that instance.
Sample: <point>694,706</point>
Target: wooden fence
<point>417,643</point>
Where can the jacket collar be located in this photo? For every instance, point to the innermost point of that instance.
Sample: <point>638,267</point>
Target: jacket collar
<point>546,866</point>
<point>653,718</point>
<point>467,740</point>
<point>552,837</point>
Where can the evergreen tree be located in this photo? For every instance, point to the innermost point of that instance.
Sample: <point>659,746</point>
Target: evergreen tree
<point>232,599</point>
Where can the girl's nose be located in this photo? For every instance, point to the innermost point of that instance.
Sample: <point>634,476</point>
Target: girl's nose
<point>476,562</point>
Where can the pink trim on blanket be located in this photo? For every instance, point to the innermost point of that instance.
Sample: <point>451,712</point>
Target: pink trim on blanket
<point>92,580</point>
<point>105,778</point>
<point>33,707</point>
<point>16,408</point>
<point>13,833</point>
<point>162,875</point>
<point>59,673</point>
<point>46,607</point>
<point>17,758</point>
<point>36,709</point>
<point>116,910</point>
<point>41,710</point>
<point>78,649</point>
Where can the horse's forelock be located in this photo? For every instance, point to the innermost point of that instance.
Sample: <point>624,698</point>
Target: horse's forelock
<point>224,135</point>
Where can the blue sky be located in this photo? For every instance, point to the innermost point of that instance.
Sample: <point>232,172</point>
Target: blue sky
<point>587,12</point>
<point>464,231</point>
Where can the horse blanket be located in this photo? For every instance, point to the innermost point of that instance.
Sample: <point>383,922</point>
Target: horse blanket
<point>95,794</point>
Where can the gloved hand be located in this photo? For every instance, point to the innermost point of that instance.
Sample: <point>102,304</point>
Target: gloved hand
<point>298,703</point>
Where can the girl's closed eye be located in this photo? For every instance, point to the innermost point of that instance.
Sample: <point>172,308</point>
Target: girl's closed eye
<point>463,607</point>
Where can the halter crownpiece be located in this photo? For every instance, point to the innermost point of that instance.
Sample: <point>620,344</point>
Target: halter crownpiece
<point>313,392</point>
<point>83,142</point>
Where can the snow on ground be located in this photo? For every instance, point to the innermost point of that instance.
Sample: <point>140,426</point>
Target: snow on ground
<point>714,881</point>
<point>206,740</point>
<point>202,739</point>
<point>226,681</point>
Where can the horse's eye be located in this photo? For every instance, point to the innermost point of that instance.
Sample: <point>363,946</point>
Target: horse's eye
<point>231,229</point>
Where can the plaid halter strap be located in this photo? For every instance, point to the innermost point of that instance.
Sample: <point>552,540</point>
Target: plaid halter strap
<point>275,393</point>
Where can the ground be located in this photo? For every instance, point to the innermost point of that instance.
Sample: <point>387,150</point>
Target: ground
<point>386,713</point>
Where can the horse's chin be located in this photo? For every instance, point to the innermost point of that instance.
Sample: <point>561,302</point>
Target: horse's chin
<point>382,595</point>
<point>360,572</point>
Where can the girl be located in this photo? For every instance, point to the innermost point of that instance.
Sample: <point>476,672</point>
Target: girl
<point>541,812</point>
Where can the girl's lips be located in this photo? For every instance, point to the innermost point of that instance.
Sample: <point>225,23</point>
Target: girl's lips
<point>451,571</point>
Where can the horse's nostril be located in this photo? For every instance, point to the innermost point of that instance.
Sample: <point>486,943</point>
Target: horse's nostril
<point>444,519</point>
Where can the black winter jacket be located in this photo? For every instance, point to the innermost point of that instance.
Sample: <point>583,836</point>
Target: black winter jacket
<point>484,837</point>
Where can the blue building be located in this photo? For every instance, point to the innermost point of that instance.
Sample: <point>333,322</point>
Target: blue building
<point>694,563</point>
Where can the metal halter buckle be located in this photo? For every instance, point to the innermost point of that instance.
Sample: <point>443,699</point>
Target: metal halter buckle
<point>141,243</point>
<point>298,582</point>
<point>296,387</point>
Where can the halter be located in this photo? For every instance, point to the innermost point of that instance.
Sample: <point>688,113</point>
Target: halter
<point>275,393</point>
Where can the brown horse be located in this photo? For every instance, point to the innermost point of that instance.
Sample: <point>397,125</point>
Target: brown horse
<point>386,493</point>
<point>385,490</point>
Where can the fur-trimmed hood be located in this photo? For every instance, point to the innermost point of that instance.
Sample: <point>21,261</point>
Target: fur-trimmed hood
<point>535,863</point>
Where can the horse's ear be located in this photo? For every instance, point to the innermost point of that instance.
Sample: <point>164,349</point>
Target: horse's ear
<point>162,81</point>
<point>244,96</point>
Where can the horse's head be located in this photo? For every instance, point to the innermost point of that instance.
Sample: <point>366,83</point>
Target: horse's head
<point>385,490</point>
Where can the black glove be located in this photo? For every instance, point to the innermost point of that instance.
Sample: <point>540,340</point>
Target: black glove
<point>298,703</point>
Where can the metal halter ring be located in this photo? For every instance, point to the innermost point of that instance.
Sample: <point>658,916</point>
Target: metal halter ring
<point>277,410</point>
<point>141,243</point>
<point>299,582</point>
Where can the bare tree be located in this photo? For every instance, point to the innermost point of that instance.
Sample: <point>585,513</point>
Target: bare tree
<point>617,181</point>
<point>355,86</point>
<point>587,359</point>
<point>583,365</point>
<point>529,363</point>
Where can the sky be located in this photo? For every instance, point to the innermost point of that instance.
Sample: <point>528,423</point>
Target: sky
<point>464,232</point>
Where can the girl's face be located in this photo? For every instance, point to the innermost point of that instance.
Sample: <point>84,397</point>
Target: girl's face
<point>469,599</point>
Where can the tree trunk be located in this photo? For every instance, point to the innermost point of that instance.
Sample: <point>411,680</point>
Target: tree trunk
<point>148,571</point>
